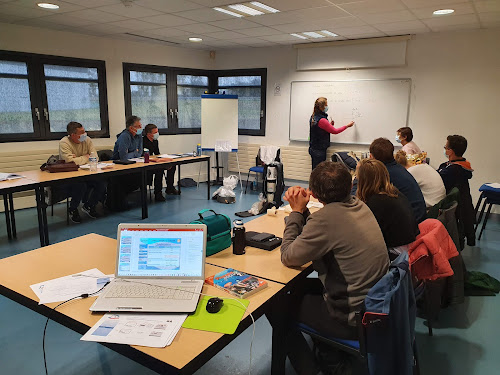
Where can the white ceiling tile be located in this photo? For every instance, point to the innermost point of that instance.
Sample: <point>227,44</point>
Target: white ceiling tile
<point>235,24</point>
<point>167,20</point>
<point>275,18</point>
<point>490,25</point>
<point>134,11</point>
<point>225,43</point>
<point>260,31</point>
<point>436,4</point>
<point>134,25</point>
<point>340,22</point>
<point>66,19</point>
<point>63,6</point>
<point>484,6</point>
<point>226,35</point>
<point>403,26</point>
<point>96,16</point>
<point>200,28</point>
<point>286,5</point>
<point>280,38</point>
<point>469,26</point>
<point>491,17</point>
<point>20,11</point>
<point>424,13</point>
<point>322,13</point>
<point>398,16</point>
<point>204,15</point>
<point>93,3</point>
<point>168,6</point>
<point>407,31</point>
<point>165,32</point>
<point>38,22</point>
<point>250,41</point>
<point>349,31</point>
<point>296,27</point>
<point>373,6</point>
<point>367,35</point>
<point>213,3</point>
<point>464,19</point>
<point>7,18</point>
<point>106,28</point>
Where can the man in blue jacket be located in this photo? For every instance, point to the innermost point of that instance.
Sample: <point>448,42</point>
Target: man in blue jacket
<point>127,146</point>
<point>382,149</point>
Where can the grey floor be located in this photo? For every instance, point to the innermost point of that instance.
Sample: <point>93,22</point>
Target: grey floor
<point>464,342</point>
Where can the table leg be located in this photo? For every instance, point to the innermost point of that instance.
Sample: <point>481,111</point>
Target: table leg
<point>12,216</point>
<point>7,216</point>
<point>178,177</point>
<point>144,194</point>
<point>39,204</point>
<point>208,178</point>
<point>279,337</point>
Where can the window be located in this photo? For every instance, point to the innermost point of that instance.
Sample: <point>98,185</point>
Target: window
<point>250,86</point>
<point>40,94</point>
<point>171,97</point>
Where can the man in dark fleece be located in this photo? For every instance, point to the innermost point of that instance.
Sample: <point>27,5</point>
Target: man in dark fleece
<point>457,172</point>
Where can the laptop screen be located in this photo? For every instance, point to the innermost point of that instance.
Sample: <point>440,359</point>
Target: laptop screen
<point>160,252</point>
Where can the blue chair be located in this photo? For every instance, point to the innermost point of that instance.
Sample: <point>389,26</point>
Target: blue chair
<point>259,168</point>
<point>489,195</point>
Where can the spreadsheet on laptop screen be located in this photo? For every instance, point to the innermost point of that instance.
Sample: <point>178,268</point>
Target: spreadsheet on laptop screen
<point>160,252</point>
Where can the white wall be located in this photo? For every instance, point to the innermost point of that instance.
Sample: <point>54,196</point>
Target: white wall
<point>456,78</point>
<point>114,52</point>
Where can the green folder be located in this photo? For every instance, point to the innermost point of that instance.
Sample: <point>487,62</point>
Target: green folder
<point>224,321</point>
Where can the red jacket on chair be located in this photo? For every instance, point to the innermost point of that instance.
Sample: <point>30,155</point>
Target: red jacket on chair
<point>430,252</point>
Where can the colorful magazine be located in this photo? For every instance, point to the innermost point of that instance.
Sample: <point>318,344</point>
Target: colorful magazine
<point>237,283</point>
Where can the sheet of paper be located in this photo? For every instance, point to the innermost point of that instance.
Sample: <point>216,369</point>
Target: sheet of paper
<point>67,287</point>
<point>9,176</point>
<point>315,205</point>
<point>223,146</point>
<point>495,185</point>
<point>99,166</point>
<point>138,160</point>
<point>151,330</point>
<point>170,156</point>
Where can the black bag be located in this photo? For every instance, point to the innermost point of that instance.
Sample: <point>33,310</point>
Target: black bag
<point>54,165</point>
<point>274,183</point>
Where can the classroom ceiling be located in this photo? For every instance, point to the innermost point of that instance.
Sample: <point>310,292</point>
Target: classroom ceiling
<point>172,22</point>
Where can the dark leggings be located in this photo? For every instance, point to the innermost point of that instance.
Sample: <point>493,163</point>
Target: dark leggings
<point>317,156</point>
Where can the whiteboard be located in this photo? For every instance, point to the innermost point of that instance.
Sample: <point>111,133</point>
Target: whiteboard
<point>378,107</point>
<point>219,121</point>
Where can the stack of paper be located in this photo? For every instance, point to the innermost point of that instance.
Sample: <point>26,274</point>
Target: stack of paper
<point>151,330</point>
<point>99,166</point>
<point>169,156</point>
<point>9,176</point>
<point>67,287</point>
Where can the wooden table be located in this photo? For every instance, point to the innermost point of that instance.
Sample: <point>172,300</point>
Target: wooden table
<point>190,348</point>
<point>38,180</point>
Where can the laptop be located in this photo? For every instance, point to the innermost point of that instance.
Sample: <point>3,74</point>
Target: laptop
<point>159,268</point>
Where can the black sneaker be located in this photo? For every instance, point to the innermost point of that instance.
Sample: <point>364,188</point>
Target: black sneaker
<point>159,197</point>
<point>172,191</point>
<point>74,216</point>
<point>90,211</point>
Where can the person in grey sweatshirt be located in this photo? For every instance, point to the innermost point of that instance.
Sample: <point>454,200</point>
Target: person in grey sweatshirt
<point>346,246</point>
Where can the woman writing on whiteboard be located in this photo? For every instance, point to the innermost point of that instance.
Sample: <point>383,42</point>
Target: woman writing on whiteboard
<point>319,131</point>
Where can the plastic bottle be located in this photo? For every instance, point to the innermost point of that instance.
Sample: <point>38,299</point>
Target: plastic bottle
<point>198,149</point>
<point>93,161</point>
<point>146,155</point>
<point>239,240</point>
<point>254,185</point>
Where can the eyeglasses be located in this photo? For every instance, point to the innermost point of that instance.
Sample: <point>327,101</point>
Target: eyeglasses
<point>446,148</point>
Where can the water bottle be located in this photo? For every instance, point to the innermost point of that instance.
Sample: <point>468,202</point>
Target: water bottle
<point>198,149</point>
<point>238,238</point>
<point>146,155</point>
<point>254,185</point>
<point>93,161</point>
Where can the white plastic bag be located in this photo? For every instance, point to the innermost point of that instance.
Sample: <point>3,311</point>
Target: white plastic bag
<point>257,206</point>
<point>228,185</point>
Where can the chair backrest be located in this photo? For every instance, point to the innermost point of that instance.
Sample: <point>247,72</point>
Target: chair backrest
<point>448,217</point>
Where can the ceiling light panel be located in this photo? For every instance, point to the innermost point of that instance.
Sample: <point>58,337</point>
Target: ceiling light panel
<point>254,8</point>
<point>313,34</point>
<point>298,36</point>
<point>441,12</point>
<point>327,33</point>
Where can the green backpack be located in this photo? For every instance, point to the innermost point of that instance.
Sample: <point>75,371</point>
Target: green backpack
<point>218,231</point>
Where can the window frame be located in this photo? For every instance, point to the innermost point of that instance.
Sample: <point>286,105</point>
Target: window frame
<point>172,99</point>
<point>38,94</point>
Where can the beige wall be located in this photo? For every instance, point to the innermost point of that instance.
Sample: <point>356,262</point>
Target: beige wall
<point>456,90</point>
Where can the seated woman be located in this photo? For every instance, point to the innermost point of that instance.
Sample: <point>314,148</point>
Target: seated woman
<point>428,179</point>
<point>390,207</point>
<point>405,137</point>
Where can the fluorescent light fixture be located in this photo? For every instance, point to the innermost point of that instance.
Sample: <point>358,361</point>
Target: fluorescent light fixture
<point>48,6</point>
<point>247,10</point>
<point>329,33</point>
<point>441,12</point>
<point>298,36</point>
<point>227,12</point>
<point>264,6</point>
<point>196,40</point>
<point>313,34</point>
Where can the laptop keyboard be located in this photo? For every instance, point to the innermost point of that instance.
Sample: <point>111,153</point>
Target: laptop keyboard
<point>150,291</point>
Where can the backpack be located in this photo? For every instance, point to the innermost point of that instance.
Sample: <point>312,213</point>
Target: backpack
<point>274,183</point>
<point>347,159</point>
